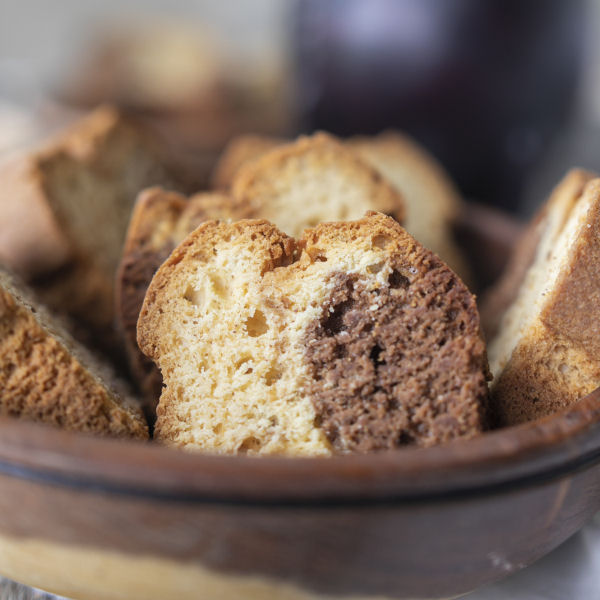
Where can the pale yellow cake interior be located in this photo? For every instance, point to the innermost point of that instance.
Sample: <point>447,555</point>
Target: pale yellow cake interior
<point>561,227</point>
<point>92,190</point>
<point>295,202</point>
<point>234,341</point>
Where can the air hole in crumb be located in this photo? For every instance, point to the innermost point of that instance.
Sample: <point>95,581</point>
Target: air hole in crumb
<point>218,285</point>
<point>257,324</point>
<point>217,429</point>
<point>273,421</point>
<point>195,297</point>
<point>375,356</point>
<point>397,280</point>
<point>405,438</point>
<point>272,375</point>
<point>376,267</point>
<point>317,254</point>
<point>381,241</point>
<point>341,351</point>
<point>249,444</point>
<point>334,323</point>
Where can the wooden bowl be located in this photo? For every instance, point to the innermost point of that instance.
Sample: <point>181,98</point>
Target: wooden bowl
<point>94,518</point>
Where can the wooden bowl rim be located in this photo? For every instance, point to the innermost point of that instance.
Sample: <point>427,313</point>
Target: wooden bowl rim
<point>494,462</point>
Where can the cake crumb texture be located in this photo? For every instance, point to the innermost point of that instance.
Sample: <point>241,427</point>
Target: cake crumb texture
<point>352,339</point>
<point>45,376</point>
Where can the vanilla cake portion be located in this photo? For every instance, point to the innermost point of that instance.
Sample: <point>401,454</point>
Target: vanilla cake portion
<point>548,221</point>
<point>160,220</point>
<point>47,377</point>
<point>313,180</point>
<point>432,200</point>
<point>78,191</point>
<point>545,356</point>
<point>65,209</point>
<point>354,338</point>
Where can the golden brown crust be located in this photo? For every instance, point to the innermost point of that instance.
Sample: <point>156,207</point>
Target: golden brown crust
<point>545,374</point>
<point>239,152</point>
<point>154,207</point>
<point>572,308</point>
<point>498,298</point>
<point>46,377</point>
<point>141,257</point>
<point>258,182</point>
<point>160,220</point>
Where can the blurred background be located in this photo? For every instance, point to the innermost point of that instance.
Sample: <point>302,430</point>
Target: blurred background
<point>506,93</point>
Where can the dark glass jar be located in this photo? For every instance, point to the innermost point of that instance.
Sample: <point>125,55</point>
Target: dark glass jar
<point>484,84</point>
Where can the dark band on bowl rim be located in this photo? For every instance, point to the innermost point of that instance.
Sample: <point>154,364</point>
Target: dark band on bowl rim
<point>496,462</point>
